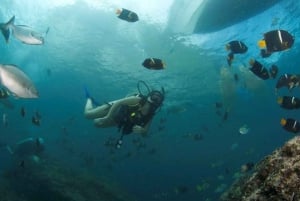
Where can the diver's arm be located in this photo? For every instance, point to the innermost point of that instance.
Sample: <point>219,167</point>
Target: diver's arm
<point>141,129</point>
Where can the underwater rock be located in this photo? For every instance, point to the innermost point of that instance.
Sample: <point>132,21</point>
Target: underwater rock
<point>276,177</point>
<point>49,181</point>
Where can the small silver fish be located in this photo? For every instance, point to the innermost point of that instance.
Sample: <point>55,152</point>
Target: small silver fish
<point>17,82</point>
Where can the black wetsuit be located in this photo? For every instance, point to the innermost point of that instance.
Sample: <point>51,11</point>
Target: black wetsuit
<point>292,125</point>
<point>128,116</point>
<point>260,71</point>
<point>278,40</point>
<point>290,102</point>
<point>128,15</point>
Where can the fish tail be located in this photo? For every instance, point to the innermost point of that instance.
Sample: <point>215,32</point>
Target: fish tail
<point>10,22</point>
<point>5,28</point>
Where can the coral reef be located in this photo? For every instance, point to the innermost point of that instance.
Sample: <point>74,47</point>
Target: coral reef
<point>276,177</point>
<point>48,181</point>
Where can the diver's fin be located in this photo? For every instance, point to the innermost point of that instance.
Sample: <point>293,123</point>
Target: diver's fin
<point>262,44</point>
<point>87,95</point>
<point>86,92</point>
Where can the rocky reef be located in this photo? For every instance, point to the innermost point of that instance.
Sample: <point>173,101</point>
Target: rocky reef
<point>276,177</point>
<point>49,181</point>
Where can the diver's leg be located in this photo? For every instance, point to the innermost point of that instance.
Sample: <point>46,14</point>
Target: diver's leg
<point>107,119</point>
<point>91,113</point>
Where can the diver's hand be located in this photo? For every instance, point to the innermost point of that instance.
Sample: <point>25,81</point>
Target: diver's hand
<point>138,129</point>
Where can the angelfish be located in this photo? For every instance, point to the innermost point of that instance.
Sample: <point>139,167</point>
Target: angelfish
<point>17,82</point>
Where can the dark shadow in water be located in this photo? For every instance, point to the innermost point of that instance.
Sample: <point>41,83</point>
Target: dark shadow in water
<point>219,14</point>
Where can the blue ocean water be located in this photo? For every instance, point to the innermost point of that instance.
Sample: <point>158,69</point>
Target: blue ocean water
<point>87,45</point>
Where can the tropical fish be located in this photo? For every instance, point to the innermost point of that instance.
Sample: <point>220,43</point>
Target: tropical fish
<point>127,15</point>
<point>17,82</point>
<point>276,41</point>
<point>235,47</point>
<point>26,34</point>
<point>154,64</point>
<point>258,69</point>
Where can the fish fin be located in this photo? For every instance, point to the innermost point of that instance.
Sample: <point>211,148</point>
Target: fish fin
<point>10,22</point>
<point>262,44</point>
<point>5,28</point>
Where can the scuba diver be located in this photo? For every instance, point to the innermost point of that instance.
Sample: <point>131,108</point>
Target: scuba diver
<point>289,102</point>
<point>130,114</point>
<point>235,47</point>
<point>288,80</point>
<point>258,69</point>
<point>127,15</point>
<point>275,41</point>
<point>291,125</point>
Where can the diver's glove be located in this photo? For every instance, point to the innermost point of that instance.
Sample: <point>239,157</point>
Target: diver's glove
<point>139,130</point>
